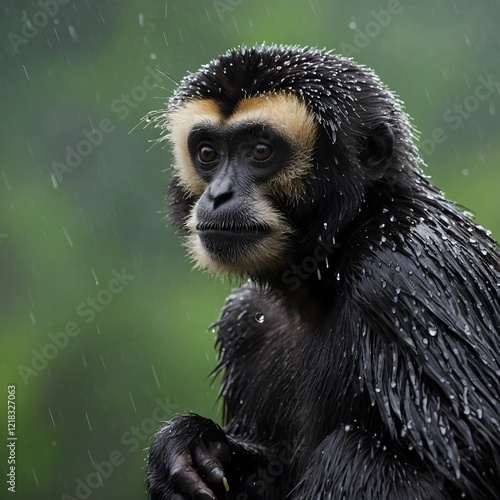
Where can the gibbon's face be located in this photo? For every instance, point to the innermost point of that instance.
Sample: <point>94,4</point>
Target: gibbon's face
<point>239,169</point>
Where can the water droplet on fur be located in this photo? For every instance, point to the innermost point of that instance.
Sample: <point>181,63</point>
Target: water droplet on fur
<point>259,317</point>
<point>432,329</point>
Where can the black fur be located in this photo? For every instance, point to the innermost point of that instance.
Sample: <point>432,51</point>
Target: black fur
<point>371,372</point>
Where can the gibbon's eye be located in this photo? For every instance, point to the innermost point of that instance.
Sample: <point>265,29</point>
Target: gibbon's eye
<point>206,153</point>
<point>261,152</point>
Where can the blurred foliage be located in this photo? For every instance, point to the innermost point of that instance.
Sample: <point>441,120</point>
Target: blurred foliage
<point>82,71</point>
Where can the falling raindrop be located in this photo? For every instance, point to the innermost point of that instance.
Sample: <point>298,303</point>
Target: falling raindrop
<point>94,275</point>
<point>73,33</point>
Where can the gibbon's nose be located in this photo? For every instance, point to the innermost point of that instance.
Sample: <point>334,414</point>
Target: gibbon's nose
<point>221,190</point>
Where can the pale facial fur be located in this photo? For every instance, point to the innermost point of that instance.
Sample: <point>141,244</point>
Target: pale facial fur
<point>282,113</point>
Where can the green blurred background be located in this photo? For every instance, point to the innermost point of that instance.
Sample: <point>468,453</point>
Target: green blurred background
<point>98,361</point>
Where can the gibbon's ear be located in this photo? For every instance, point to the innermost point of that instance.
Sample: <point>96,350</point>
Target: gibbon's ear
<point>376,152</point>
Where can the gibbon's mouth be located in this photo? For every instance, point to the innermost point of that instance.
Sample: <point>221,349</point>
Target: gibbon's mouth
<point>245,231</point>
<point>231,244</point>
